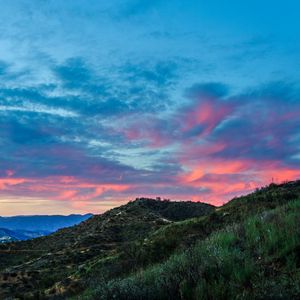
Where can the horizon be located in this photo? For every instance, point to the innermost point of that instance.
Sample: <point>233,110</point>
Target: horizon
<point>157,198</point>
<point>100,102</point>
<point>10,216</point>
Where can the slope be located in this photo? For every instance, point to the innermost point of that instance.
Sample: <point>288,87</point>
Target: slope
<point>123,241</point>
<point>49,261</point>
<point>256,259</point>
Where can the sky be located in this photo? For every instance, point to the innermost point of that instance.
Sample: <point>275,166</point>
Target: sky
<point>105,101</point>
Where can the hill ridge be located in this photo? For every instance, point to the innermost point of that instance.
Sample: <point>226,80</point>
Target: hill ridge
<point>124,240</point>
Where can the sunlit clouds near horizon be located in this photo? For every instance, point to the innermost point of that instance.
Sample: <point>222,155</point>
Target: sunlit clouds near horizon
<point>102,102</point>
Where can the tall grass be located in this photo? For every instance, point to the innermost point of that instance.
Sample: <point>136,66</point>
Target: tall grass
<point>257,259</point>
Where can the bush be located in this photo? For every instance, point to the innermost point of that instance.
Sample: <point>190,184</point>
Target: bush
<point>259,258</point>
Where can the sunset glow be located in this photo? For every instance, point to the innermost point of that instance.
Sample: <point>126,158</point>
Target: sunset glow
<point>103,103</point>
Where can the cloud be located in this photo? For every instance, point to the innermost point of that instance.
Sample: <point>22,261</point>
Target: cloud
<point>114,100</point>
<point>134,127</point>
<point>207,110</point>
<point>207,90</point>
<point>269,118</point>
<point>251,140</point>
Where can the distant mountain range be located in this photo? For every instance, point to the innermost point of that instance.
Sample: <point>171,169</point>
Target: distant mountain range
<point>19,228</point>
<point>49,223</point>
<point>7,235</point>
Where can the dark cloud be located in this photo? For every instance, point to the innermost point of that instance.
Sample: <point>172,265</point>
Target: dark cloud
<point>210,89</point>
<point>74,73</point>
<point>135,87</point>
<point>161,74</point>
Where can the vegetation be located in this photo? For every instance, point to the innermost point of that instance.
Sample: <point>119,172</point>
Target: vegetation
<point>258,258</point>
<point>159,249</point>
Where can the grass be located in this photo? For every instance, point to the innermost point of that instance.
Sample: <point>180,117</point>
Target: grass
<point>258,258</point>
<point>246,248</point>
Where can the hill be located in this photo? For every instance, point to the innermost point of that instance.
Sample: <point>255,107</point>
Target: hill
<point>258,259</point>
<point>117,254</point>
<point>93,239</point>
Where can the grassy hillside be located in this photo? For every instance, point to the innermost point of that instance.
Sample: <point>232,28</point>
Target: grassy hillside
<point>48,266</point>
<point>258,258</point>
<point>157,249</point>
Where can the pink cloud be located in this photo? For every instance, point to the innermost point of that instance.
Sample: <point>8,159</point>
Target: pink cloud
<point>65,188</point>
<point>9,173</point>
<point>6,183</point>
<point>228,178</point>
<point>207,113</point>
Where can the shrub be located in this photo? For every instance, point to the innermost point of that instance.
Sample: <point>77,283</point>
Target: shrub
<point>258,258</point>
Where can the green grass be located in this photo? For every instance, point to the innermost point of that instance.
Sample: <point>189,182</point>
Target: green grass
<point>256,259</point>
<point>246,248</point>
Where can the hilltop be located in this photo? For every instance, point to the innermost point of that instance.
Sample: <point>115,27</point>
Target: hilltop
<point>95,238</point>
<point>102,256</point>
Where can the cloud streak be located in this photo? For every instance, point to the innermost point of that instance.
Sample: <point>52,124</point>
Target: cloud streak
<point>215,146</point>
<point>102,103</point>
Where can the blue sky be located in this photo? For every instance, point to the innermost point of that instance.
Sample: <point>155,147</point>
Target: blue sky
<point>105,101</point>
